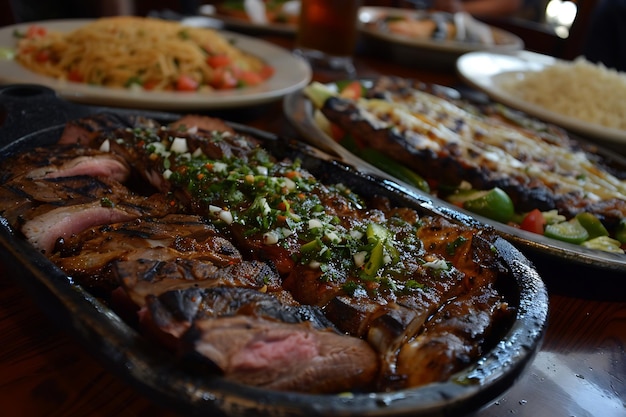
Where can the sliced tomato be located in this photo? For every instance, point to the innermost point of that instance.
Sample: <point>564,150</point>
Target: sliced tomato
<point>42,56</point>
<point>250,78</point>
<point>149,84</point>
<point>75,76</point>
<point>534,222</point>
<point>352,90</point>
<point>266,72</point>
<point>36,31</point>
<point>219,61</point>
<point>186,83</point>
<point>337,132</point>
<point>223,79</point>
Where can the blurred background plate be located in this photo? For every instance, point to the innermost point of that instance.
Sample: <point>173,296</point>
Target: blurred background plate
<point>238,21</point>
<point>291,73</point>
<point>422,51</point>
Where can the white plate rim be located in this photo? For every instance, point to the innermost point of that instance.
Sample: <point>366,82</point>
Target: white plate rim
<point>483,70</point>
<point>291,73</point>
<point>451,46</point>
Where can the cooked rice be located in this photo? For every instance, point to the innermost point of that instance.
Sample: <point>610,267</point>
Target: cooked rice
<point>578,89</point>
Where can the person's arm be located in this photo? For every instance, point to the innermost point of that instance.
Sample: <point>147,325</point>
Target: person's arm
<point>491,8</point>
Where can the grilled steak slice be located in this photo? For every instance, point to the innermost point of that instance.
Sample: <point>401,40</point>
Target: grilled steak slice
<point>450,339</point>
<point>142,278</point>
<point>174,311</point>
<point>55,192</point>
<point>45,229</point>
<point>140,253</point>
<point>85,130</point>
<point>23,198</point>
<point>389,319</point>
<point>46,210</point>
<point>290,357</point>
<point>253,338</point>
<point>65,161</point>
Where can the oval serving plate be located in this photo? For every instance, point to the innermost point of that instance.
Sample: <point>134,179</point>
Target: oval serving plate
<point>542,250</point>
<point>425,51</point>
<point>151,370</point>
<point>239,22</point>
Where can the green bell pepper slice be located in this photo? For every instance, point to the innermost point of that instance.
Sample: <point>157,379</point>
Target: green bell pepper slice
<point>494,204</point>
<point>620,231</point>
<point>382,240</point>
<point>592,224</point>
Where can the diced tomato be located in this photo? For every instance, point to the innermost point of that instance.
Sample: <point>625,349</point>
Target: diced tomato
<point>75,76</point>
<point>223,79</point>
<point>42,56</point>
<point>250,78</point>
<point>352,91</point>
<point>534,222</point>
<point>293,174</point>
<point>218,61</point>
<point>35,31</point>
<point>149,84</point>
<point>186,83</point>
<point>266,72</point>
<point>337,132</point>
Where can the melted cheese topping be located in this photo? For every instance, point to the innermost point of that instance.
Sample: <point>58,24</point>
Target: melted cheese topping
<point>431,122</point>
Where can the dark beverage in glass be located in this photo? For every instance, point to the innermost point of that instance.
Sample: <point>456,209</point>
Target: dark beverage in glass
<point>328,28</point>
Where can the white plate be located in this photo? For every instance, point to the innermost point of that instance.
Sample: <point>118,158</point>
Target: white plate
<point>291,73</point>
<point>503,40</point>
<point>487,70</point>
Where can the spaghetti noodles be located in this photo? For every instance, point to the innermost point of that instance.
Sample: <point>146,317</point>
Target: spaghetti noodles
<point>146,52</point>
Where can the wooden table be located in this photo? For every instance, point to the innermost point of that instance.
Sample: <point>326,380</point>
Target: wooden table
<point>579,371</point>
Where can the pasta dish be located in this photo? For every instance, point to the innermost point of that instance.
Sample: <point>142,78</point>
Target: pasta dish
<point>137,52</point>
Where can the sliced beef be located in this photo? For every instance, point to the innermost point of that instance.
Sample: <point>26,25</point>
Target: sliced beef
<point>102,165</point>
<point>86,130</point>
<point>174,311</point>
<point>24,198</point>
<point>451,339</point>
<point>253,338</point>
<point>65,161</point>
<point>146,254</point>
<point>46,228</point>
<point>280,356</point>
<point>142,278</point>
